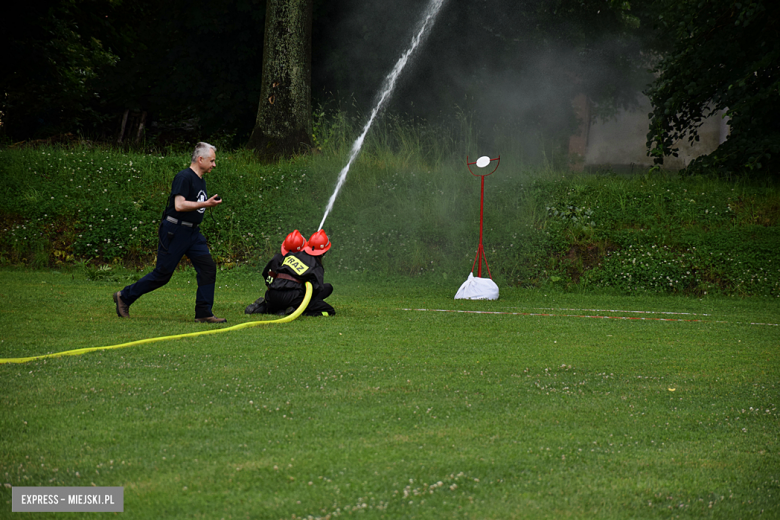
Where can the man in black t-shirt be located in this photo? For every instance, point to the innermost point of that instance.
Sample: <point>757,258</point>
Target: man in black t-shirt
<point>180,235</point>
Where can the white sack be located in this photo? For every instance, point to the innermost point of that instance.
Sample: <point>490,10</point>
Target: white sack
<point>477,289</point>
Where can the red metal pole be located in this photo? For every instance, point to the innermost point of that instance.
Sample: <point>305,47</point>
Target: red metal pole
<point>481,250</point>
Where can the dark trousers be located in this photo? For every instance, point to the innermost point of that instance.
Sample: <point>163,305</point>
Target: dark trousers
<point>277,301</point>
<point>175,242</point>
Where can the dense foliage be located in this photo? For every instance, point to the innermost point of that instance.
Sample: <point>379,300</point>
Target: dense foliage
<point>192,67</point>
<point>56,55</point>
<point>175,71</point>
<point>725,55</point>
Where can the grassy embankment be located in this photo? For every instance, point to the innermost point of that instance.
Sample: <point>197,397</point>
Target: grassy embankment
<point>409,208</point>
<point>392,413</point>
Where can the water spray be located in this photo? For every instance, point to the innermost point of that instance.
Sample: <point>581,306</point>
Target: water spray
<point>429,16</point>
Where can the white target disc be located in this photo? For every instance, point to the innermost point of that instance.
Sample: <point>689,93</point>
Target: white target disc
<point>483,161</point>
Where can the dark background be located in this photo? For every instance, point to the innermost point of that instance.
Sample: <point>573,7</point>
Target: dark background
<point>194,67</point>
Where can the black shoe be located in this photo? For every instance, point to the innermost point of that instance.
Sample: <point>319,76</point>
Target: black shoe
<point>211,319</point>
<point>289,310</point>
<point>259,307</point>
<point>122,309</point>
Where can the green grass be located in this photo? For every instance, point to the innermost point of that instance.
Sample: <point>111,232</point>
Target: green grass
<point>386,413</point>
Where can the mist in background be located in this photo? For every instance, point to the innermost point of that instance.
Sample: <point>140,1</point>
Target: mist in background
<point>512,68</point>
<point>493,78</point>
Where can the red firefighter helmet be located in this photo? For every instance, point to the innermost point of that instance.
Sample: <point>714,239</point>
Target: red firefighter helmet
<point>318,244</point>
<point>294,243</point>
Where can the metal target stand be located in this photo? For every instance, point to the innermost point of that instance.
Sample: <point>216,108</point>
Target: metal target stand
<point>481,163</point>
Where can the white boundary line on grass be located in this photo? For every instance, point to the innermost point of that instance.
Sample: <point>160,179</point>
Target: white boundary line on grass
<point>614,310</point>
<point>585,316</point>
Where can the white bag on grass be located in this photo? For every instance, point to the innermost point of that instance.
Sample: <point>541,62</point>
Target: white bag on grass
<point>477,289</point>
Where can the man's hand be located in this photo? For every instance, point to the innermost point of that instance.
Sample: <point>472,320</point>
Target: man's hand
<point>213,201</point>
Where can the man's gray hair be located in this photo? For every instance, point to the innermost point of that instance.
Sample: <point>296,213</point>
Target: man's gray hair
<point>202,150</point>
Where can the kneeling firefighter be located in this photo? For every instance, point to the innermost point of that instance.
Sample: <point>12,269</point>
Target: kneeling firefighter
<point>286,275</point>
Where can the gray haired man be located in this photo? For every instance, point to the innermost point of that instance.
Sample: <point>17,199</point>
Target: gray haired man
<point>180,235</point>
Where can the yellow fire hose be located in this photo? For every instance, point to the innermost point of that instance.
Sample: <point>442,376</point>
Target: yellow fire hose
<point>78,352</point>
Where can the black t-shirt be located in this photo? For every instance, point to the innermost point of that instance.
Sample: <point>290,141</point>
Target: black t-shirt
<point>192,188</point>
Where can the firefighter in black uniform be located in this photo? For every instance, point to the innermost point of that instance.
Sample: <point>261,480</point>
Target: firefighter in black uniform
<point>286,275</point>
<point>293,242</point>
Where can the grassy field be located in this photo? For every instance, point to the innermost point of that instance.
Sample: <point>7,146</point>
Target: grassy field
<point>383,412</point>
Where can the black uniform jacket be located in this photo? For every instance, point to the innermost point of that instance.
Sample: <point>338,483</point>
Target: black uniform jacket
<point>301,266</point>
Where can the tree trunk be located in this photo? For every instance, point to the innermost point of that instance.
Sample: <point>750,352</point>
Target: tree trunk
<point>283,125</point>
<point>124,123</point>
<point>141,126</point>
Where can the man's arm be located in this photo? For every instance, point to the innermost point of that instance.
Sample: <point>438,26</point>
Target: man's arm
<point>182,205</point>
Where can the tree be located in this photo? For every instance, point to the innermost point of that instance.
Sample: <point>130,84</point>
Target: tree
<point>725,55</point>
<point>78,66</point>
<point>55,54</point>
<point>283,125</point>
<point>190,64</point>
